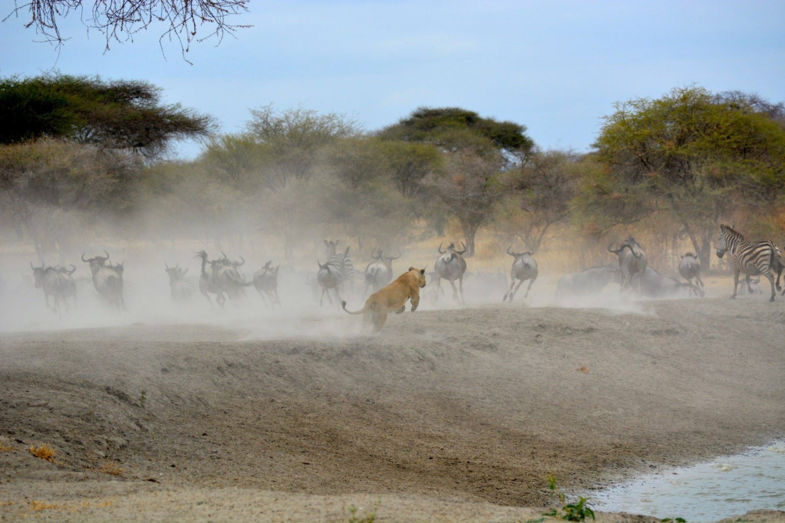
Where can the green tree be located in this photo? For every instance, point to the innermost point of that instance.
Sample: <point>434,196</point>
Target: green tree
<point>476,149</point>
<point>692,154</point>
<point>539,194</point>
<point>115,115</point>
<point>44,184</point>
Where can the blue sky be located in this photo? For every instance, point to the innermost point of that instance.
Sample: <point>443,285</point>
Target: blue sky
<point>556,67</point>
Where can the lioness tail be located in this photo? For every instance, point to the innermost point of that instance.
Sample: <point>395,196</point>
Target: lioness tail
<point>343,304</point>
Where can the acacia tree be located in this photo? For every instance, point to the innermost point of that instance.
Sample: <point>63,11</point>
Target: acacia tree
<point>691,154</point>
<point>115,115</point>
<point>539,194</point>
<point>476,150</point>
<point>42,183</point>
<point>120,21</point>
<point>470,190</point>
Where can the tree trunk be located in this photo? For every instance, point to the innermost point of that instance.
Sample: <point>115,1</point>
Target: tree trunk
<point>469,232</point>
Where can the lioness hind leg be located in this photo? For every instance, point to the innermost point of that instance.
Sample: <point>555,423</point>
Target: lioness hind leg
<point>403,308</point>
<point>379,317</point>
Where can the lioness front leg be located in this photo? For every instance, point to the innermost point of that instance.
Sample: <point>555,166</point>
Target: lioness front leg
<point>403,308</point>
<point>415,301</point>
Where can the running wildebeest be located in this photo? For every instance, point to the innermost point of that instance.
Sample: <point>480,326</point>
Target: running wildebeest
<point>207,284</point>
<point>632,262</point>
<point>524,267</point>
<point>266,282</point>
<point>379,272</point>
<point>451,266</point>
<point>180,288</point>
<point>223,279</point>
<point>690,268</point>
<point>57,283</point>
<point>107,279</point>
<point>586,282</point>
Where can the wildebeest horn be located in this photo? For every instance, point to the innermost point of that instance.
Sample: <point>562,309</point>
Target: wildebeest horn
<point>509,252</point>
<point>83,258</point>
<point>441,251</point>
<point>611,250</point>
<point>107,254</point>
<point>73,269</point>
<point>464,249</point>
<point>167,266</point>
<point>242,262</point>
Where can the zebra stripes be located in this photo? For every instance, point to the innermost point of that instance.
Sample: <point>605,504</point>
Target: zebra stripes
<point>751,258</point>
<point>335,272</point>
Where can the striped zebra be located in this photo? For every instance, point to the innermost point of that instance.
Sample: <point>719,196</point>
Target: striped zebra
<point>335,272</point>
<point>752,258</point>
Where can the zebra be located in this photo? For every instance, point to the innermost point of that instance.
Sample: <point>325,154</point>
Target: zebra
<point>335,272</point>
<point>748,257</point>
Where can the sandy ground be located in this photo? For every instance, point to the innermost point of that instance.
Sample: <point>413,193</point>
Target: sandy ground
<point>447,415</point>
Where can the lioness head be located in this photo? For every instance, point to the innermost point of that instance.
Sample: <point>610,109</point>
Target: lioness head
<point>420,273</point>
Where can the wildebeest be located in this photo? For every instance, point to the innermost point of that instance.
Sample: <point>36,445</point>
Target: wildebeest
<point>266,282</point>
<point>224,279</point>
<point>586,282</point>
<point>655,285</point>
<point>180,288</point>
<point>334,272</point>
<point>379,272</point>
<point>207,284</point>
<point>57,283</point>
<point>107,279</point>
<point>632,262</point>
<point>451,266</point>
<point>228,278</point>
<point>690,268</point>
<point>524,267</point>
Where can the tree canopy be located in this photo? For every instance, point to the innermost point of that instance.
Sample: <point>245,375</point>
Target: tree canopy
<point>444,126</point>
<point>118,115</point>
<point>692,154</point>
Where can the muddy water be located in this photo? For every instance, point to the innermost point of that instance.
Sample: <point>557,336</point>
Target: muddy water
<point>725,487</point>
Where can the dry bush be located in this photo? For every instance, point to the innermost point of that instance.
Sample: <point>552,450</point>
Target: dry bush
<point>44,452</point>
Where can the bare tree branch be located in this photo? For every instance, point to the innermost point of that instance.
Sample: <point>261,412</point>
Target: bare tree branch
<point>120,20</point>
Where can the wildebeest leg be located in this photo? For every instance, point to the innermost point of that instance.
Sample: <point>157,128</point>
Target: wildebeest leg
<point>700,282</point>
<point>510,292</point>
<point>529,287</point>
<point>460,288</point>
<point>454,290</point>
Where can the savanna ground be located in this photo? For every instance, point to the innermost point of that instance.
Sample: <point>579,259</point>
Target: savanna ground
<point>449,414</point>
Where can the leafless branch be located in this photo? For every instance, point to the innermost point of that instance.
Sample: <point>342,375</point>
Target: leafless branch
<point>120,20</point>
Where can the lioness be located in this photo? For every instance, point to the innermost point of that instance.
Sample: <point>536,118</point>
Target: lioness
<point>392,298</point>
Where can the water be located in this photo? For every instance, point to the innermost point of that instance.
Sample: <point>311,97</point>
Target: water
<point>725,487</point>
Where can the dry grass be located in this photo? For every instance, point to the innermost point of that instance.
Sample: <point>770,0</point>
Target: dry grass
<point>37,506</point>
<point>112,468</point>
<point>44,452</point>
<point>5,444</point>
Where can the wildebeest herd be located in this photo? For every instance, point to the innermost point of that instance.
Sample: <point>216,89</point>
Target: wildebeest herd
<point>220,279</point>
